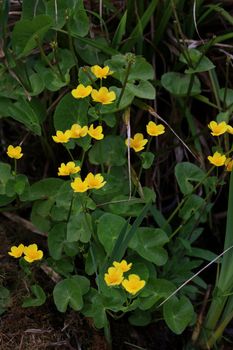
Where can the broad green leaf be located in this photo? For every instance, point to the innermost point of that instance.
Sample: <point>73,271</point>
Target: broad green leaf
<point>178,84</point>
<point>125,206</point>
<point>95,309</point>
<point>178,313</point>
<point>155,290</point>
<point>120,31</point>
<point>56,240</point>
<point>141,70</point>
<point>69,292</point>
<point>196,206</point>
<point>147,159</point>
<point>58,11</point>
<point>148,242</point>
<point>200,63</point>
<point>108,230</point>
<point>27,33</point>
<point>79,228</point>
<point>70,111</point>
<point>143,89</point>
<point>37,299</point>
<point>79,21</point>
<point>6,175</point>
<point>45,188</point>
<point>31,8</point>
<point>227,96</point>
<point>110,151</point>
<point>23,111</point>
<point>186,173</point>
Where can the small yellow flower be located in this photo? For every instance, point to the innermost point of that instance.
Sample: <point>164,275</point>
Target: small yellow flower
<point>78,131</point>
<point>81,91</point>
<point>133,284</point>
<point>17,252</point>
<point>101,73</point>
<point>68,169</point>
<point>229,164</point>
<point>14,152</point>
<point>137,142</point>
<point>217,128</point>
<point>154,129</point>
<point>62,137</point>
<point>123,265</point>
<point>96,133</point>
<point>217,159</point>
<point>32,253</point>
<point>78,185</point>
<point>230,129</point>
<point>103,96</point>
<point>114,277</point>
<point>95,181</point>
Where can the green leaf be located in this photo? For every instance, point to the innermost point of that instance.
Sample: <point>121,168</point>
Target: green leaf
<point>148,242</point>
<point>178,313</point>
<point>140,318</point>
<point>186,173</point>
<point>178,84</point>
<point>79,21</point>
<point>196,206</point>
<point>70,111</point>
<point>56,240</point>
<point>120,31</point>
<point>23,111</point>
<point>228,96</point>
<point>45,188</point>
<point>108,230</point>
<point>143,89</point>
<point>38,300</point>
<point>110,151</point>
<point>26,33</point>
<point>141,70</point>
<point>94,308</point>
<point>147,159</point>
<point>6,175</point>
<point>200,63</point>
<point>69,292</point>
<point>58,11</point>
<point>79,228</point>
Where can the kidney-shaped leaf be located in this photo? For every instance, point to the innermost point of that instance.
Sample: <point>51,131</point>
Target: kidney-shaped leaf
<point>185,173</point>
<point>178,84</point>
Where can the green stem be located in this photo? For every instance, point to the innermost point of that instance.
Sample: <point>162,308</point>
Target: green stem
<point>125,82</point>
<point>70,154</point>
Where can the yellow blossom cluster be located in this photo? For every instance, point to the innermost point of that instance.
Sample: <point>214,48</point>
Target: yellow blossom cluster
<point>103,95</point>
<point>115,277</point>
<point>14,152</point>
<point>91,181</point>
<point>219,159</point>
<point>76,131</point>
<point>138,142</point>
<point>31,252</point>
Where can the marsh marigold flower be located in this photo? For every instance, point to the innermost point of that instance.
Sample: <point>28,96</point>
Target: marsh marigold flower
<point>68,169</point>
<point>17,252</point>
<point>137,142</point>
<point>217,128</point>
<point>217,159</point>
<point>78,131</point>
<point>78,185</point>
<point>95,181</point>
<point>101,73</point>
<point>96,133</point>
<point>114,277</point>
<point>123,265</point>
<point>154,129</point>
<point>14,152</point>
<point>230,129</point>
<point>229,164</point>
<point>32,253</point>
<point>62,137</point>
<point>81,91</point>
<point>103,95</point>
<point>133,284</point>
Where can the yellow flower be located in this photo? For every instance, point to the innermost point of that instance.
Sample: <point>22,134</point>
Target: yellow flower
<point>137,142</point>
<point>103,96</point>
<point>95,181</point>
<point>229,164</point>
<point>123,265</point>
<point>230,129</point>
<point>133,284</point>
<point>217,159</point>
<point>114,277</point>
<point>217,129</point>
<point>17,252</point>
<point>68,169</point>
<point>14,152</point>
<point>78,185</point>
<point>101,72</point>
<point>62,137</point>
<point>32,253</point>
<point>155,130</point>
<point>77,131</point>
<point>96,133</point>
<point>81,91</point>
